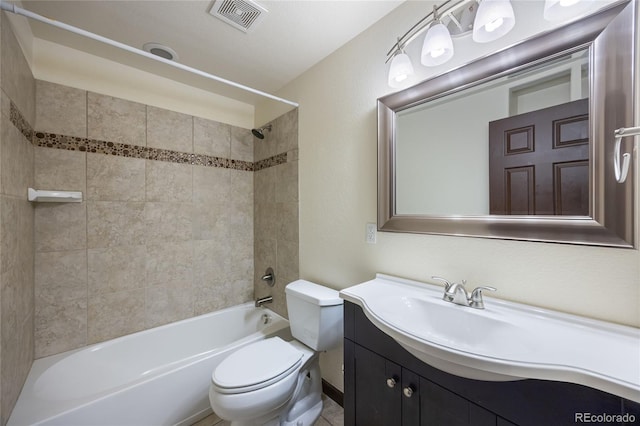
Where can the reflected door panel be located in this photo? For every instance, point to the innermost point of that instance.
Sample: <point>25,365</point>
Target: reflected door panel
<point>539,162</point>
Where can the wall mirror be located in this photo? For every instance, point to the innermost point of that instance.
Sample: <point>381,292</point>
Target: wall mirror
<point>519,144</point>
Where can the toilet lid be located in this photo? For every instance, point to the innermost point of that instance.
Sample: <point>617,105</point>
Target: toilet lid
<point>257,365</point>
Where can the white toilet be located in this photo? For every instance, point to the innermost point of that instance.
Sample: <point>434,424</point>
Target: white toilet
<point>275,382</point>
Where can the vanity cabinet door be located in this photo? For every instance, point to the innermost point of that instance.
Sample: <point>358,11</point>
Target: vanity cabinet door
<point>378,391</point>
<point>442,407</point>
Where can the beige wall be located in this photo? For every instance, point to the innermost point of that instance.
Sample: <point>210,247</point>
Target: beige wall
<point>337,145</point>
<point>16,222</point>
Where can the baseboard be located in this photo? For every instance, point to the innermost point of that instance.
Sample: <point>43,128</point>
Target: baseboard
<point>333,392</point>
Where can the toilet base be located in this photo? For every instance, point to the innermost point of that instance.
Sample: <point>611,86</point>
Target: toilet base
<point>304,406</point>
<point>308,418</point>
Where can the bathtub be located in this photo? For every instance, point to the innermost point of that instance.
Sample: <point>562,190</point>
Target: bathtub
<point>159,376</point>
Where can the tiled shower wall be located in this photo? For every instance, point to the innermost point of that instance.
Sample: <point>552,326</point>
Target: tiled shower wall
<point>16,222</point>
<point>276,209</point>
<point>165,230</point>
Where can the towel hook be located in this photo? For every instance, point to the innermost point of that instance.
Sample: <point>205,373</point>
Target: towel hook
<point>621,170</point>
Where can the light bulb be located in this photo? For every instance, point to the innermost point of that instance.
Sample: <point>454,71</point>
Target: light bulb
<point>494,25</point>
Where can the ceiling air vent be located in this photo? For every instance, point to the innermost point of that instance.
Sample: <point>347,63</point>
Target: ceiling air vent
<point>241,14</point>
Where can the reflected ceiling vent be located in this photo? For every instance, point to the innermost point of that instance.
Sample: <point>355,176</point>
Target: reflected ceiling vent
<point>241,14</point>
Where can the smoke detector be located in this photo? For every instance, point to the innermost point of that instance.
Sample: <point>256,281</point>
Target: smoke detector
<point>243,15</point>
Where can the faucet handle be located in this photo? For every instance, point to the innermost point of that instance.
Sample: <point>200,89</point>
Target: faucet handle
<point>446,282</point>
<point>476,296</point>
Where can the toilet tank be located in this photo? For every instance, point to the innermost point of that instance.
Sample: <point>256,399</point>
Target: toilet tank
<point>315,314</point>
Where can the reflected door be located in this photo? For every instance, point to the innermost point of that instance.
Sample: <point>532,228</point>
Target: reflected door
<point>539,162</point>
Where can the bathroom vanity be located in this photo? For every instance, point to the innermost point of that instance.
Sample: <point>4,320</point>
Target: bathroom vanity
<point>387,385</point>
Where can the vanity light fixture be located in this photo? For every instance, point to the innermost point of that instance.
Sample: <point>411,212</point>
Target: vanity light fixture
<point>487,20</point>
<point>400,69</point>
<point>494,19</point>
<point>438,46</point>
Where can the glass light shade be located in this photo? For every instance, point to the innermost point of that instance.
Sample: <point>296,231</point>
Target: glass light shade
<point>399,70</point>
<point>560,10</point>
<point>437,47</point>
<point>494,19</point>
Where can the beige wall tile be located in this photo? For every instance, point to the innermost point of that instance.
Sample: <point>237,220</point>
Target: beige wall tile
<point>169,263</point>
<point>287,261</point>
<point>60,327</point>
<point>112,178</point>
<point>5,103</point>
<point>115,314</point>
<point>17,356</point>
<point>241,187</point>
<point>60,276</point>
<point>116,269</point>
<point>169,130</point>
<point>242,141</point>
<point>16,160</point>
<point>211,184</point>
<point>287,182</point>
<point>210,221</point>
<point>219,294</point>
<point>211,262</point>
<point>285,129</point>
<point>168,222</point>
<point>169,181</point>
<point>59,169</point>
<point>264,186</point>
<point>16,271</point>
<point>60,226</point>
<point>287,222</point>
<point>116,120</point>
<point>265,219</point>
<point>165,304</point>
<point>112,223</point>
<point>209,297</point>
<point>211,138</point>
<point>60,109</point>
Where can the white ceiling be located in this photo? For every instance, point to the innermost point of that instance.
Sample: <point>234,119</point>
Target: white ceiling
<point>294,36</point>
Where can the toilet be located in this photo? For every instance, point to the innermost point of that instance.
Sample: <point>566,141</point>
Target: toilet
<point>278,382</point>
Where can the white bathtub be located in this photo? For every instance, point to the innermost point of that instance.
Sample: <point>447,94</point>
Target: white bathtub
<point>159,376</point>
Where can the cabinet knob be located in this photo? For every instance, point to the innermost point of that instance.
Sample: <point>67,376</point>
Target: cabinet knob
<point>408,391</point>
<point>391,382</point>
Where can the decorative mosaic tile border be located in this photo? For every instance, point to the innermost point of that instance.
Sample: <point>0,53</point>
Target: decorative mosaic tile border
<point>73,143</point>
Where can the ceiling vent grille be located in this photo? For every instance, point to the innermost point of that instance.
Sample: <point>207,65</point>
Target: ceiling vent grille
<point>240,14</point>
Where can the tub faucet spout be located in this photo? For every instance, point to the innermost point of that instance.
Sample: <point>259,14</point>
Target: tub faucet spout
<point>261,301</point>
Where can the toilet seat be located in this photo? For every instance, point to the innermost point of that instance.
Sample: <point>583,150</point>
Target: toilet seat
<point>256,366</point>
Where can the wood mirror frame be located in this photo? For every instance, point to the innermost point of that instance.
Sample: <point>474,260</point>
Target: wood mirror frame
<point>610,37</point>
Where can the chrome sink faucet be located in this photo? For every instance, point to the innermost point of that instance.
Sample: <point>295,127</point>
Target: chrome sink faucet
<point>457,293</point>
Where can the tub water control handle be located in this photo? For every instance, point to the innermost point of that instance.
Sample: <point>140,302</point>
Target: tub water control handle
<point>269,277</point>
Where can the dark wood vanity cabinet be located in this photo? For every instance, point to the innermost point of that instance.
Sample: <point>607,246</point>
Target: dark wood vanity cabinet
<point>387,386</point>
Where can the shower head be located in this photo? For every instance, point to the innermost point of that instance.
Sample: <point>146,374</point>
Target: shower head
<point>259,133</point>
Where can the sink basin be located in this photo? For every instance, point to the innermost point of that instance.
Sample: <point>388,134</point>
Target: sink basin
<point>504,341</point>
